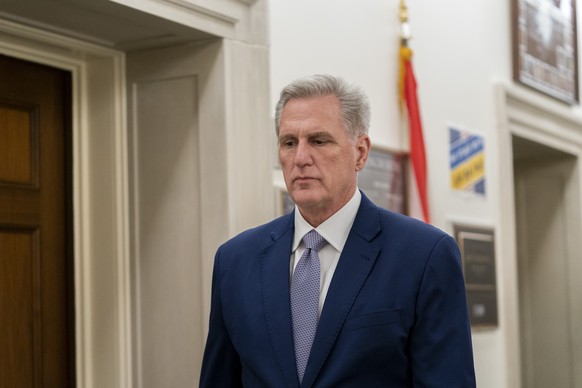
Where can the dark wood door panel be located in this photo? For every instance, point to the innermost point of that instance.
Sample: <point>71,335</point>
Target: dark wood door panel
<point>36,287</point>
<point>21,308</point>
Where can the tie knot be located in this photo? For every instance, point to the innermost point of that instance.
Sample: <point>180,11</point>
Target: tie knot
<point>313,240</point>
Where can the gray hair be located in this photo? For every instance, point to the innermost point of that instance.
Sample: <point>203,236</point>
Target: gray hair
<point>355,107</point>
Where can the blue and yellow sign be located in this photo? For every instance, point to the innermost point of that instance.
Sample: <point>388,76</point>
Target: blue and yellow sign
<point>467,161</point>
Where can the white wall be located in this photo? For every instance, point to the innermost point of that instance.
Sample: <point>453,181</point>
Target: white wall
<point>357,40</point>
<point>462,50</point>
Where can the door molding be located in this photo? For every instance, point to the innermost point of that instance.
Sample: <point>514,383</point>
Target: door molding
<point>539,119</point>
<point>100,198</point>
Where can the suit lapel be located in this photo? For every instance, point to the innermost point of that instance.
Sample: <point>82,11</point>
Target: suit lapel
<point>356,261</point>
<point>276,299</point>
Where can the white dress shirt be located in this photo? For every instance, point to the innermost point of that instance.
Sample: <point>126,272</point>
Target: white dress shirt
<point>335,231</point>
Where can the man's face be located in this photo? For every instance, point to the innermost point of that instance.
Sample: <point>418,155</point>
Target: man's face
<point>319,160</point>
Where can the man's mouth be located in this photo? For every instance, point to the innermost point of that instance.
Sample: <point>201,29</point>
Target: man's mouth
<point>303,179</point>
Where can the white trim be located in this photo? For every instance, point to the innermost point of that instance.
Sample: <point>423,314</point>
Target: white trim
<point>62,46</point>
<point>81,230</point>
<point>205,17</point>
<point>54,29</point>
<point>191,7</point>
<point>122,213</point>
<point>83,60</point>
<point>545,121</point>
<point>507,283</point>
<point>541,116</point>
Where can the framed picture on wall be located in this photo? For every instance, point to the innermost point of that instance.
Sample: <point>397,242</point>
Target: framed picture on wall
<point>545,55</point>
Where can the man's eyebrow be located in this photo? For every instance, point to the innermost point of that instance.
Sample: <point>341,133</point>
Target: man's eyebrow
<point>320,134</point>
<point>286,136</point>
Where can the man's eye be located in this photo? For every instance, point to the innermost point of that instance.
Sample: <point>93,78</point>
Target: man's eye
<point>287,143</point>
<point>319,141</point>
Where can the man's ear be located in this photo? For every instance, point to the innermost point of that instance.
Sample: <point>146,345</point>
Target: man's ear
<point>363,145</point>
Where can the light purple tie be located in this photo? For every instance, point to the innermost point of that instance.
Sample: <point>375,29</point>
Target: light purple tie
<point>305,299</point>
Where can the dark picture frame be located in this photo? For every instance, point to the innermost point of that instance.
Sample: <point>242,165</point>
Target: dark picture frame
<point>477,245</point>
<point>545,54</point>
<point>384,178</point>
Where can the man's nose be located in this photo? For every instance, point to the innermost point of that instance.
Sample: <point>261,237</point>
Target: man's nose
<point>303,154</point>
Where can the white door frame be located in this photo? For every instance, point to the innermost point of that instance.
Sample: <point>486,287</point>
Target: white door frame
<point>540,119</point>
<point>100,198</point>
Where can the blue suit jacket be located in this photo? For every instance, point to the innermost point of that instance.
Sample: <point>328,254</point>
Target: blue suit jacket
<point>395,314</point>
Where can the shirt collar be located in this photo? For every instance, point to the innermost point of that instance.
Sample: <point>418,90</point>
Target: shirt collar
<point>335,229</point>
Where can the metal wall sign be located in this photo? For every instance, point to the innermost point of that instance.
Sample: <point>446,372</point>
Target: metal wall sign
<point>477,247</point>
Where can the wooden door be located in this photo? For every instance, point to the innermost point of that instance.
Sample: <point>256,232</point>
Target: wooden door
<point>36,291</point>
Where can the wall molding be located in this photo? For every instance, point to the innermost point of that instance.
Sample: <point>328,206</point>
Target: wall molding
<point>190,6</point>
<point>543,116</point>
<point>543,120</point>
<point>103,343</point>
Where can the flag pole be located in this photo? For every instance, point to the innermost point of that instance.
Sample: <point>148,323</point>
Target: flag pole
<point>418,203</point>
<point>405,51</point>
<point>404,27</point>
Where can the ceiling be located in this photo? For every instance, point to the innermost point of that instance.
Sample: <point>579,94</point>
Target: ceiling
<point>99,21</point>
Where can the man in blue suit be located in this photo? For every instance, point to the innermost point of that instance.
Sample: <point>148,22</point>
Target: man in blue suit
<point>389,308</point>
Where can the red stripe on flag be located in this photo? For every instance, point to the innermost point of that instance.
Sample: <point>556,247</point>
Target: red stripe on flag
<point>417,153</point>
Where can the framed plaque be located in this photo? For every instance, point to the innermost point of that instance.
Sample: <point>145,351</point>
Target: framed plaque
<point>545,55</point>
<point>477,247</point>
<point>384,179</point>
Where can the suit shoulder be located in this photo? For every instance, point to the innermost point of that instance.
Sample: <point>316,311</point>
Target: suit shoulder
<point>396,222</point>
<point>261,235</point>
